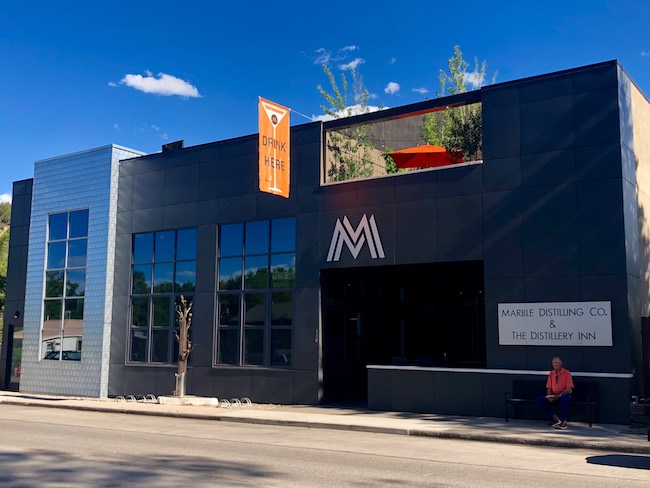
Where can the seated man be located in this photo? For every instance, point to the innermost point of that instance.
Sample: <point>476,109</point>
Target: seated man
<point>559,387</point>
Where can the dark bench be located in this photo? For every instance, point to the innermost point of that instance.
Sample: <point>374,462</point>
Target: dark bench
<point>584,397</point>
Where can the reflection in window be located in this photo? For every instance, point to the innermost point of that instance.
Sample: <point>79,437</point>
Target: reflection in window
<point>231,243</point>
<point>78,223</point>
<point>56,255</point>
<point>163,269</point>
<point>256,312</point>
<point>283,270</point>
<point>257,272</point>
<point>54,283</point>
<point>230,273</point>
<point>65,286</point>
<point>75,283</point>
<point>58,227</point>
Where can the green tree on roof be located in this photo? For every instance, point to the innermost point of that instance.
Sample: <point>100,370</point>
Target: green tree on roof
<point>458,129</point>
<point>351,146</point>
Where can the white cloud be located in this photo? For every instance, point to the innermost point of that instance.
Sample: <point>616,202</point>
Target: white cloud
<point>166,85</point>
<point>422,90</point>
<point>392,88</point>
<point>322,56</point>
<point>112,83</point>
<point>325,56</point>
<point>352,64</point>
<point>645,54</point>
<point>348,112</point>
<point>5,198</point>
<point>393,60</point>
<point>116,126</point>
<point>473,80</point>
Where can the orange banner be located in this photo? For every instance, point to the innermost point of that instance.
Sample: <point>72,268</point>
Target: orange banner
<point>274,148</point>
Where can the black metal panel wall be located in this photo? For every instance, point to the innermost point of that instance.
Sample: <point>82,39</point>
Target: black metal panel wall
<point>21,208</point>
<point>203,187</point>
<point>553,217</point>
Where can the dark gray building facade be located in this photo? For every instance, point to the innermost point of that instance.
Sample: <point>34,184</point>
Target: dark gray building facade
<point>382,290</point>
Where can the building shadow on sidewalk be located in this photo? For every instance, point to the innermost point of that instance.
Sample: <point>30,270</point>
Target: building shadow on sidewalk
<point>621,460</point>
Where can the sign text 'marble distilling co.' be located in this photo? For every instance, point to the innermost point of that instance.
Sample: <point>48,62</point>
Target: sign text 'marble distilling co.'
<point>555,324</point>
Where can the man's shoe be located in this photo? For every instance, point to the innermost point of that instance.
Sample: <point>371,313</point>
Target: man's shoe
<point>561,425</point>
<point>557,423</point>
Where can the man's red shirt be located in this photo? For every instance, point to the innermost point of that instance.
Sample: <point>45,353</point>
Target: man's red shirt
<point>558,382</point>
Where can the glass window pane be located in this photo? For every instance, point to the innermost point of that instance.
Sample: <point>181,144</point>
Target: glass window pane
<point>75,283</point>
<point>142,279</point>
<point>185,276</point>
<point>283,270</point>
<point>58,226</point>
<point>140,311</point>
<point>186,245</point>
<point>161,311</point>
<point>143,248</point>
<point>138,345</point>
<point>54,283</point>
<point>74,312</point>
<point>164,248</point>
<point>179,303</point>
<point>255,311</point>
<point>160,347</point>
<point>56,255</point>
<point>77,253</point>
<point>51,344</point>
<point>163,278</point>
<point>282,308</point>
<point>52,314</point>
<point>254,347</point>
<point>230,274</point>
<point>256,272</point>
<point>228,350</point>
<point>72,341</point>
<point>79,223</point>
<point>281,347</point>
<point>257,238</point>
<point>229,309</point>
<point>231,243</point>
<point>283,235</point>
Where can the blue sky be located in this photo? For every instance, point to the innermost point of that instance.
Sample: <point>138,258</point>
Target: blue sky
<point>77,75</point>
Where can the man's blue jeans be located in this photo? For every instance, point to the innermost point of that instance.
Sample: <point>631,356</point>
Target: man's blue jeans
<point>545,405</point>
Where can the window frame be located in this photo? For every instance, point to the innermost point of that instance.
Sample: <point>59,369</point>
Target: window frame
<point>153,329</point>
<point>71,320</point>
<point>244,332</point>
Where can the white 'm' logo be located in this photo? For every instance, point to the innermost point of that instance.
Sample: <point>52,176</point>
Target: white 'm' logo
<point>355,239</point>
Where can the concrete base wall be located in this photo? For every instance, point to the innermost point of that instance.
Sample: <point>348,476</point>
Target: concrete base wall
<point>479,393</point>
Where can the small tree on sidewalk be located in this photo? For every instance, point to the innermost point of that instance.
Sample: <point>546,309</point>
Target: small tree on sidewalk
<point>184,315</point>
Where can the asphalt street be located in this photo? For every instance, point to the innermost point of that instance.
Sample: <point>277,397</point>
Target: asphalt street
<point>61,447</point>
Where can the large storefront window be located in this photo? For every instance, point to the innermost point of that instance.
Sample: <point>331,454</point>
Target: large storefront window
<point>257,268</point>
<point>65,286</point>
<point>163,270</point>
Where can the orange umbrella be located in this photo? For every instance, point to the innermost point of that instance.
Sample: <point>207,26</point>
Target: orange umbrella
<point>426,156</point>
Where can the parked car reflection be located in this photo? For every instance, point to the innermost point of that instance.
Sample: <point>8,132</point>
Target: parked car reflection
<point>67,355</point>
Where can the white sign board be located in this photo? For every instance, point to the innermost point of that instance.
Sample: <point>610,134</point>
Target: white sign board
<point>555,324</point>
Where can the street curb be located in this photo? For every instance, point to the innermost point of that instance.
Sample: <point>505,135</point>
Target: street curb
<point>444,434</point>
<point>563,443</point>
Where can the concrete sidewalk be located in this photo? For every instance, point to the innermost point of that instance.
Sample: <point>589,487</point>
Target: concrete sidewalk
<point>607,437</point>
